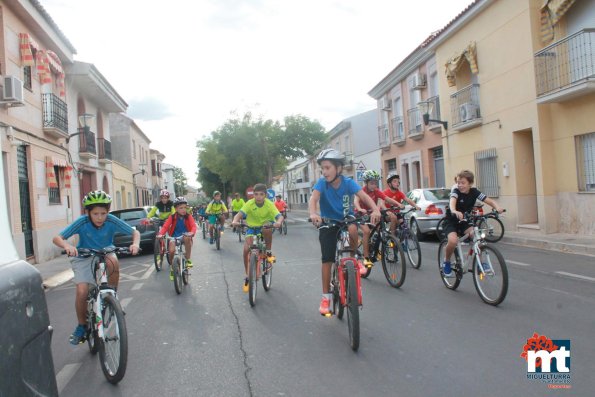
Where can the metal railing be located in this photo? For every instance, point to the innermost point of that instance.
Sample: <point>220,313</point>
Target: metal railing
<point>566,62</point>
<point>415,121</point>
<point>383,137</point>
<point>55,113</point>
<point>86,141</point>
<point>398,129</point>
<point>104,149</point>
<point>464,105</point>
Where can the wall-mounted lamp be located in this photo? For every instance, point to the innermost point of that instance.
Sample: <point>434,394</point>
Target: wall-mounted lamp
<point>425,109</point>
<point>83,118</point>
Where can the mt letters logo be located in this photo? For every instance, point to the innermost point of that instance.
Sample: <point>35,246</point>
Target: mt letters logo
<point>548,360</point>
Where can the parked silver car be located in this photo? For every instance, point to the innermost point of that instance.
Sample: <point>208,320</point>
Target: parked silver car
<point>433,202</point>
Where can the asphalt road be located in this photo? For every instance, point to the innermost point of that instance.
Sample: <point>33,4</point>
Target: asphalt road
<point>420,340</point>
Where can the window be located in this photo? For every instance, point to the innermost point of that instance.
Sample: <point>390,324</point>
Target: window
<point>585,162</point>
<point>306,174</point>
<point>391,165</point>
<point>486,172</point>
<point>54,192</point>
<point>27,79</point>
<point>133,149</point>
<point>153,168</point>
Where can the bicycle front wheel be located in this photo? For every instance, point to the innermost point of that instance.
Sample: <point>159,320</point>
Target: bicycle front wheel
<point>492,228</point>
<point>185,273</point>
<point>393,262</point>
<point>239,230</point>
<point>252,279</point>
<point>204,230</point>
<point>157,255</point>
<point>217,237</point>
<point>490,276</point>
<point>177,265</point>
<point>284,228</point>
<point>352,303</point>
<point>113,349</point>
<point>412,250</point>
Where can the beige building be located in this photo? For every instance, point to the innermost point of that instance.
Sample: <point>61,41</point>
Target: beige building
<point>132,150</point>
<point>156,174</point>
<point>123,187</point>
<point>520,116</point>
<point>34,122</point>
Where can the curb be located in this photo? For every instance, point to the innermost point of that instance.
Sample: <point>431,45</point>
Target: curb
<point>58,279</point>
<point>569,248</point>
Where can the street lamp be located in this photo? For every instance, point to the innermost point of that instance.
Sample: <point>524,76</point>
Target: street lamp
<point>83,123</point>
<point>142,171</point>
<point>425,109</point>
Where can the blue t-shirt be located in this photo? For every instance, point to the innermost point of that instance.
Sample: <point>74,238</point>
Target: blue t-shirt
<point>180,227</point>
<point>336,203</point>
<point>96,238</point>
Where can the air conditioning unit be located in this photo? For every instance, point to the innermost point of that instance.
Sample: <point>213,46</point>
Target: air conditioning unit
<point>468,111</point>
<point>418,81</point>
<point>384,103</point>
<point>12,89</point>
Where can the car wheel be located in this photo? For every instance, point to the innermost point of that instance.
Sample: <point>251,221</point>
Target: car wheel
<point>414,226</point>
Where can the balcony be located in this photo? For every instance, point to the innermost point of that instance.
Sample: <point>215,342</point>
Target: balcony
<point>87,143</point>
<point>566,69</point>
<point>435,114</point>
<point>55,116</point>
<point>398,131</point>
<point>383,136</point>
<point>416,130</point>
<point>104,150</point>
<point>465,112</point>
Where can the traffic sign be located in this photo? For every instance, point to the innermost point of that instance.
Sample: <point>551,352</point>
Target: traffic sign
<point>361,166</point>
<point>271,194</point>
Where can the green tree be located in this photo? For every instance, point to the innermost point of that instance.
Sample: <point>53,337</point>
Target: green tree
<point>180,182</point>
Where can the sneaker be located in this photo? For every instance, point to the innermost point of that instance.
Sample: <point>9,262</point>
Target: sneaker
<point>447,270</point>
<point>324,308</point>
<point>368,262</point>
<point>245,287</point>
<point>210,240</point>
<point>271,258</point>
<point>171,274</point>
<point>189,264</point>
<point>363,269</point>
<point>158,258</point>
<point>78,335</point>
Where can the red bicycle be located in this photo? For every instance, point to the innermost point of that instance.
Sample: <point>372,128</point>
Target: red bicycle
<point>345,279</point>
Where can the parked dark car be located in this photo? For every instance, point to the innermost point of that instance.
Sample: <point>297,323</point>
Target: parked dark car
<point>433,202</point>
<point>137,218</point>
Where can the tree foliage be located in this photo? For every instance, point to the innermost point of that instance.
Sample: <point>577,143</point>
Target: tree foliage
<point>180,182</point>
<point>244,151</point>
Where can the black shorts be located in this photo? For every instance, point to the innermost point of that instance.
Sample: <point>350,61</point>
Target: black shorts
<point>328,243</point>
<point>453,225</point>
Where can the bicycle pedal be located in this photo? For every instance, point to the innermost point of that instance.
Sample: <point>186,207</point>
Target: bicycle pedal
<point>328,315</point>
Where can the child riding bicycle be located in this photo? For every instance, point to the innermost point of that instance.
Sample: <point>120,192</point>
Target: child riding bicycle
<point>96,230</point>
<point>177,225</point>
<point>163,208</point>
<point>371,179</point>
<point>462,200</point>
<point>334,192</point>
<point>236,205</point>
<point>216,211</point>
<point>392,191</point>
<point>257,212</point>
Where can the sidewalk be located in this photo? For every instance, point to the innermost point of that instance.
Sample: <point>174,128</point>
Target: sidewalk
<point>57,271</point>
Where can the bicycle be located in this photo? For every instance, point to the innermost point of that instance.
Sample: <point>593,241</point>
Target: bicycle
<point>490,273</point>
<point>384,246</point>
<point>203,226</point>
<point>106,326</point>
<point>409,241</point>
<point>179,267</point>
<point>240,231</point>
<point>492,226</point>
<point>159,250</point>
<point>258,257</point>
<point>345,284</point>
<point>283,228</point>
<point>217,232</point>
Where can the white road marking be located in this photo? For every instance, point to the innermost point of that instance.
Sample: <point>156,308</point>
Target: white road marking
<point>58,279</point>
<point>148,273</point>
<point>517,263</point>
<point>66,374</point>
<point>137,286</point>
<point>124,302</point>
<point>580,276</point>
<point>128,276</point>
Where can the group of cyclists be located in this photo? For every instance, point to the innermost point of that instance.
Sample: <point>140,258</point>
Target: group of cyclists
<point>334,196</point>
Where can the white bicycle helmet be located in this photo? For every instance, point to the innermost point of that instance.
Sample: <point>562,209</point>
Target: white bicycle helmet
<point>332,155</point>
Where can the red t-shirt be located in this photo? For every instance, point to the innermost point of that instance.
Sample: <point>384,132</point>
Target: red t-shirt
<point>398,195</point>
<point>375,195</point>
<point>281,205</point>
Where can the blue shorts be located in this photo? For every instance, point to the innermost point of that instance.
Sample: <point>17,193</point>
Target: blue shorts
<point>213,218</point>
<point>253,231</point>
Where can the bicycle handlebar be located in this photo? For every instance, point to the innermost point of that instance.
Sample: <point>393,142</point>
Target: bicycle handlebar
<point>87,252</point>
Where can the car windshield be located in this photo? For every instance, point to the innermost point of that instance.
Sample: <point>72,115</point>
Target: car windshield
<point>130,215</point>
<point>437,194</point>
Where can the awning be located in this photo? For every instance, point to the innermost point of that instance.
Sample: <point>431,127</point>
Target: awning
<point>454,63</point>
<point>52,181</point>
<point>50,175</point>
<point>551,13</point>
<point>47,62</point>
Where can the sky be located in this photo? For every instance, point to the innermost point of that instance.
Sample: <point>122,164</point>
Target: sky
<point>187,66</point>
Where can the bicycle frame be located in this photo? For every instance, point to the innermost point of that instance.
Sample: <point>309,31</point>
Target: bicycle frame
<point>344,252</point>
<point>475,248</point>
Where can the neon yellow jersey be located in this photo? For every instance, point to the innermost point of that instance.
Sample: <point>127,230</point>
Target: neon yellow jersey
<point>215,208</point>
<point>162,210</point>
<point>256,216</point>
<point>236,205</point>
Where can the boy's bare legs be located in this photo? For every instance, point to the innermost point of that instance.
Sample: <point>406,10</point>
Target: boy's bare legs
<point>80,303</point>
